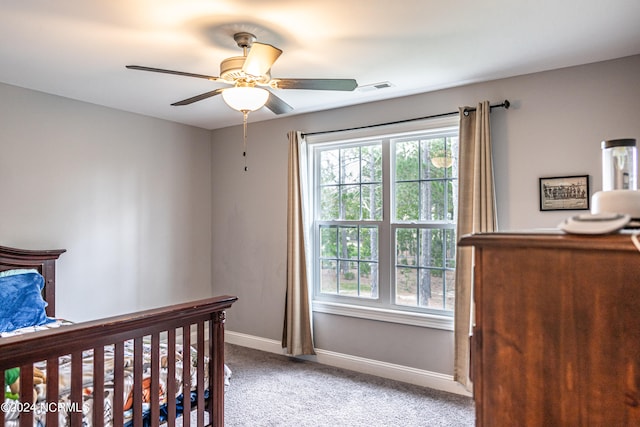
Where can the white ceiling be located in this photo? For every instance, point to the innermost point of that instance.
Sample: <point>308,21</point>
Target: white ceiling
<point>79,48</point>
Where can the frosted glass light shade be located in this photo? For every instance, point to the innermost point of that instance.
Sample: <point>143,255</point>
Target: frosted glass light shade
<point>442,162</point>
<point>245,98</point>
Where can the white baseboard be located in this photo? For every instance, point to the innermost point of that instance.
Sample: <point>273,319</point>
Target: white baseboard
<point>358,364</point>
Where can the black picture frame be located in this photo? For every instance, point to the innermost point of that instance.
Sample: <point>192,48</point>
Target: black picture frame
<point>564,193</point>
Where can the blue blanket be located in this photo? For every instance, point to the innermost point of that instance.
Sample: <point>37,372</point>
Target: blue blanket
<point>21,302</point>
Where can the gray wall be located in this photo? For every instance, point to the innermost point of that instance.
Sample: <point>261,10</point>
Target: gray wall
<point>554,128</point>
<point>123,193</point>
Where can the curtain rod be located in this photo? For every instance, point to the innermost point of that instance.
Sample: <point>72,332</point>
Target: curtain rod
<point>506,104</point>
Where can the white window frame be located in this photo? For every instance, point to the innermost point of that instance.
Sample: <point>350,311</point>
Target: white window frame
<point>381,309</point>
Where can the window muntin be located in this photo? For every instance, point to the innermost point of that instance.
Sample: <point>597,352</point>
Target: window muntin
<point>424,178</point>
<point>351,183</point>
<point>350,197</point>
<point>349,260</point>
<point>425,268</point>
<point>424,191</point>
<point>413,267</point>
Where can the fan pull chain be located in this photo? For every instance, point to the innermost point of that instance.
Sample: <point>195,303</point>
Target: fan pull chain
<point>245,114</point>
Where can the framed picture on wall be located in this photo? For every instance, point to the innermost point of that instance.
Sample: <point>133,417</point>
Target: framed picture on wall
<point>564,193</point>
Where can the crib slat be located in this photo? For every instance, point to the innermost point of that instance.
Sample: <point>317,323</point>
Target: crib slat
<point>217,360</point>
<point>26,394</point>
<point>76,388</point>
<point>98,386</point>
<point>118,384</point>
<point>75,339</point>
<point>200,373</point>
<point>186,375</point>
<point>212,373</point>
<point>171,375</point>
<point>154,392</point>
<point>137,382</point>
<point>52,389</point>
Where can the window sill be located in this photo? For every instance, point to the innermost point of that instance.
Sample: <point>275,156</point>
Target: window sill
<point>385,315</point>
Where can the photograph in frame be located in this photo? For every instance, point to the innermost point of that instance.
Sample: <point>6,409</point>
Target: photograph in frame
<point>564,193</point>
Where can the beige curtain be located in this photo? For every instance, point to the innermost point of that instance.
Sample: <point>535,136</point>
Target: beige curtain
<point>476,213</point>
<point>297,335</point>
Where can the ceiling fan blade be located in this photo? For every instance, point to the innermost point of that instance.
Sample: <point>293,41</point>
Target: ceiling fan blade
<point>199,97</point>
<point>178,73</point>
<point>260,59</point>
<point>315,84</point>
<point>277,105</point>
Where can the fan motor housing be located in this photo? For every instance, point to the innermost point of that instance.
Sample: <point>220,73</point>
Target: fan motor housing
<point>231,71</point>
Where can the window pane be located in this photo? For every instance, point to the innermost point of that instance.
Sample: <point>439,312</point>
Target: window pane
<point>436,159</point>
<point>432,200</point>
<point>371,156</point>
<point>372,201</point>
<point>419,287</point>
<point>450,290</point>
<point>329,277</point>
<point>329,167</point>
<point>450,252</point>
<point>369,243</point>
<point>328,242</point>
<point>346,274</point>
<point>426,285</point>
<point>406,246</point>
<point>350,202</point>
<point>406,160</point>
<point>406,286</point>
<point>350,165</point>
<point>452,190</point>
<point>348,284</point>
<point>407,199</point>
<point>452,151</point>
<point>329,203</point>
<point>438,289</point>
<point>430,288</point>
<point>431,245</point>
<point>369,279</point>
<point>348,242</point>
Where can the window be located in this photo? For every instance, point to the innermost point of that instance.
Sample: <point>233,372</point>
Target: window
<point>384,219</point>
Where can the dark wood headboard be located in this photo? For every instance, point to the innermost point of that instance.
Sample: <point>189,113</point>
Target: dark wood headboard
<point>43,261</point>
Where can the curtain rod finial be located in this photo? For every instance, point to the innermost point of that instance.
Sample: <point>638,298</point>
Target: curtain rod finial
<point>507,104</point>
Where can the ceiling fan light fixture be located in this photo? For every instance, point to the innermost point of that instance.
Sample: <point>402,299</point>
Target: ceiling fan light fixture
<point>244,98</point>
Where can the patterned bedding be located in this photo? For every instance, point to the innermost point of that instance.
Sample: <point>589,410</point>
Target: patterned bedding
<point>12,407</point>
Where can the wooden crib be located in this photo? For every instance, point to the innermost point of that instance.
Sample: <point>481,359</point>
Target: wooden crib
<point>198,324</point>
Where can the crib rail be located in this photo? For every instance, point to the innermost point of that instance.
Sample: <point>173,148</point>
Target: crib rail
<point>179,320</point>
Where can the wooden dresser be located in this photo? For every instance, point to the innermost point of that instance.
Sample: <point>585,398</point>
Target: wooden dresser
<point>556,340</point>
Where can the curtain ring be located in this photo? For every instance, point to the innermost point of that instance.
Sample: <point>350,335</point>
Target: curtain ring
<point>465,112</point>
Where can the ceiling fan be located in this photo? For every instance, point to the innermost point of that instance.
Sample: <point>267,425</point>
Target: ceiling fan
<point>249,75</point>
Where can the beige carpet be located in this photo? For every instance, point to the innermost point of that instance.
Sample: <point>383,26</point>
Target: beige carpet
<point>273,390</point>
